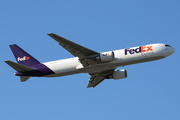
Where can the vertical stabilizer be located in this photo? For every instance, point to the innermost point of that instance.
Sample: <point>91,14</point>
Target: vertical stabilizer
<point>22,57</point>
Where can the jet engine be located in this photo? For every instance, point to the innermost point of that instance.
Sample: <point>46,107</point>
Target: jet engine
<point>119,74</point>
<point>107,56</point>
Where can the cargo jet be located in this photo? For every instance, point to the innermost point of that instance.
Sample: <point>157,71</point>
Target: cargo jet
<point>100,66</point>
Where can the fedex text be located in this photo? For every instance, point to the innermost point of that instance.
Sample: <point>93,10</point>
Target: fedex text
<point>138,50</point>
<point>23,58</point>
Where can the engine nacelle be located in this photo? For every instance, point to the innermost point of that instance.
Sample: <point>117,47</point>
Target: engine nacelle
<point>119,74</point>
<point>107,56</point>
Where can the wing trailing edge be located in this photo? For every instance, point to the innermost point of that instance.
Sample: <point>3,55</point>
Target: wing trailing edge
<point>98,77</point>
<point>94,81</point>
<point>75,49</point>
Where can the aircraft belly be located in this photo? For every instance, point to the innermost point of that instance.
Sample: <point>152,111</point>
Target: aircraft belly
<point>139,61</point>
<point>64,73</point>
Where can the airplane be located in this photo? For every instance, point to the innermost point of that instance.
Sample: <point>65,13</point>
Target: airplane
<point>100,66</point>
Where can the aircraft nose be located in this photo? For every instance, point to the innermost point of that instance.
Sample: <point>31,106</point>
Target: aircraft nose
<point>173,50</point>
<point>170,50</point>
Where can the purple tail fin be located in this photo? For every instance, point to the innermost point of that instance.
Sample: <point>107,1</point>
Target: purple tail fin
<point>23,57</point>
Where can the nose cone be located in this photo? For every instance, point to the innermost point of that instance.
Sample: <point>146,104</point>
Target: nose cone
<point>171,50</point>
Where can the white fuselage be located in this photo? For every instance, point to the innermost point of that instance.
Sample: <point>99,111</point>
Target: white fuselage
<point>122,57</point>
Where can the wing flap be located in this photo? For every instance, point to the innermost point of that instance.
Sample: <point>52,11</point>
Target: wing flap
<point>97,78</point>
<point>77,50</point>
<point>94,81</point>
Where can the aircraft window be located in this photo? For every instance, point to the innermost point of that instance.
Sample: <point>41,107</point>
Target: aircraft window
<point>167,45</point>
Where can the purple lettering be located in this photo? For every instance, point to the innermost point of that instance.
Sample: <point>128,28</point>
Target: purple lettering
<point>126,50</point>
<point>132,51</point>
<point>138,50</point>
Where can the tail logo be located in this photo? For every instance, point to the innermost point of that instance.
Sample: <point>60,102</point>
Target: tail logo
<point>105,54</point>
<point>23,58</point>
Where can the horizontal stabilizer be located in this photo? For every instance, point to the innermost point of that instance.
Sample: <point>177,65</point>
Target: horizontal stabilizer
<point>18,67</point>
<point>24,78</point>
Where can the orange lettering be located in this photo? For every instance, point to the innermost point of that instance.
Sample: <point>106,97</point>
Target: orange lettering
<point>26,58</point>
<point>143,48</point>
<point>149,48</point>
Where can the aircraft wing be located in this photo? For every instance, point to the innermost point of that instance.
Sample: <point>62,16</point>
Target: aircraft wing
<point>77,50</point>
<point>97,78</point>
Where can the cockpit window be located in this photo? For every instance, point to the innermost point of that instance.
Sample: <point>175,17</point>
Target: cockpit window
<point>167,45</point>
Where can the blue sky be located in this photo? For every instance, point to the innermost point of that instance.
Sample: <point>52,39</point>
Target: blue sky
<point>151,90</point>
